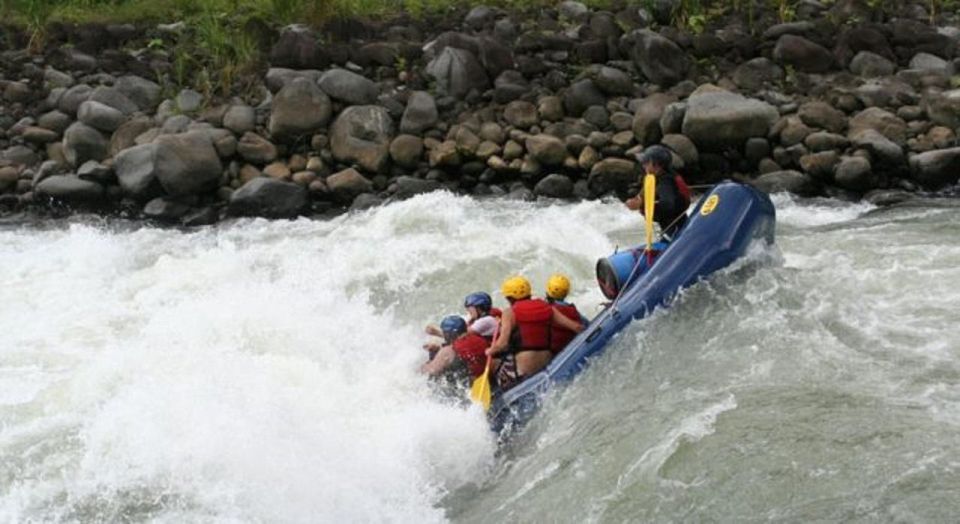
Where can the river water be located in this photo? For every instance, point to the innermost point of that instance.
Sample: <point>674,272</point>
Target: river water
<point>265,371</point>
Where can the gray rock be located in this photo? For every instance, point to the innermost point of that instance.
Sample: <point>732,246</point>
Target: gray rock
<point>554,186</point>
<point>408,186</point>
<point>187,164</point>
<point>823,115</point>
<point>299,48</point>
<point>100,116</point>
<point>114,98</point>
<point>944,108</point>
<point>348,184</point>
<point>362,135</point>
<point>802,54</point>
<point>457,72</point>
<point>420,115</point>
<point>888,197</point>
<point>55,121</point>
<point>854,173</point>
<point>685,149</point>
<point>54,78</point>
<point>660,60</point>
<point>39,135</point>
<point>125,136</point>
<point>268,197</point>
<point>869,65</point>
<point>792,28</point>
<point>521,114</point>
<point>882,149</point>
<point>299,108</point>
<point>240,119</point>
<point>671,121</point>
<point>278,77</point>
<point>551,108</point>
<point>613,81</point>
<point>406,150</point>
<point>935,169</point>
<point>349,87</point>
<point>165,210</point>
<point>820,165</point>
<point>19,155</point>
<point>509,85</point>
<point>73,97</point>
<point>790,181</point>
<point>140,91</point>
<point>175,124</point>
<point>188,101</point>
<point>581,95</point>
<point>612,174</point>
<point>70,190</point>
<point>825,141</point>
<point>931,63</point>
<point>756,73</point>
<point>880,120</point>
<point>717,119</point>
<point>255,149</point>
<point>96,172</point>
<point>597,116</point>
<point>480,17</point>
<point>136,171</point>
<point>646,119</point>
<point>82,142</point>
<point>573,11</point>
<point>546,150</point>
<point>9,176</point>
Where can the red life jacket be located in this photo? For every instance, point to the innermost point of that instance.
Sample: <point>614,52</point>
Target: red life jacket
<point>683,188</point>
<point>532,331</point>
<point>495,312</point>
<point>562,336</point>
<point>471,349</point>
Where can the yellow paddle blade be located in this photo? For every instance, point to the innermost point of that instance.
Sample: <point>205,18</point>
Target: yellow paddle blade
<point>480,391</point>
<point>649,198</point>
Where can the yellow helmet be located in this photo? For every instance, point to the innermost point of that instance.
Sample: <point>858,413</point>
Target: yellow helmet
<point>516,288</point>
<point>558,286</point>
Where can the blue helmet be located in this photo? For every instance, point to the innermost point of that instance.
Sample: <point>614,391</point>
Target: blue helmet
<point>478,300</point>
<point>453,325</point>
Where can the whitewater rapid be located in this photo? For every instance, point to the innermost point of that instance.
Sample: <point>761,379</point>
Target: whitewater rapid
<point>265,371</point>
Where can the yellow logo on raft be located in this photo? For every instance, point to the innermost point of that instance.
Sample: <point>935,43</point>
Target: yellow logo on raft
<point>709,205</point>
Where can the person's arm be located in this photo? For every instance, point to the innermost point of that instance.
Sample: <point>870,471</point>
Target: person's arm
<point>432,329</point>
<point>635,203</point>
<point>503,338</point>
<point>440,363</point>
<point>561,320</point>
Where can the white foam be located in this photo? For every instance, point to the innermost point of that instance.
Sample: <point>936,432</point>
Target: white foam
<point>799,212</point>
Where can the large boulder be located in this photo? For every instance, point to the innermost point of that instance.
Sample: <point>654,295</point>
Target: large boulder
<point>885,152</point>
<point>82,142</point>
<point>554,186</point>
<point>581,95</point>
<point>612,174</point>
<point>790,181</point>
<point>349,87</point>
<point>646,120</point>
<point>457,71</point>
<point>348,184</point>
<point>861,38</point>
<point>660,60</point>
<point>255,149</point>
<point>869,65</point>
<point>300,108</point>
<point>114,98</point>
<point>420,114</point>
<point>278,77</point>
<point>187,164</point>
<point>802,54</point>
<point>268,197</point>
<point>755,73</point>
<point>406,150</point>
<point>100,116</point>
<point>854,173</point>
<point>546,150</point>
<point>126,135</point>
<point>718,119</point>
<point>944,108</point>
<point>142,92</point>
<point>70,190</point>
<point>240,119</point>
<point>136,171</point>
<point>880,120</point>
<point>408,186</point>
<point>362,134</point>
<point>73,97</point>
<point>298,48</point>
<point>911,36</point>
<point>521,114</point>
<point>935,169</point>
<point>613,81</point>
<point>823,115</point>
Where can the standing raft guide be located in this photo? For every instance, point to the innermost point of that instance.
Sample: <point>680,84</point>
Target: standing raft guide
<point>512,357</point>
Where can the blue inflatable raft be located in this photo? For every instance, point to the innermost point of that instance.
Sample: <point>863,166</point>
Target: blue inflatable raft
<point>719,230</point>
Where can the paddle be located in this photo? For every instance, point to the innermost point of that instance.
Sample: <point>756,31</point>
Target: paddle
<point>480,391</point>
<point>649,198</point>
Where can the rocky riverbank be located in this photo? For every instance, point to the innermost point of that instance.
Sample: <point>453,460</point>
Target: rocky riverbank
<point>841,101</point>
